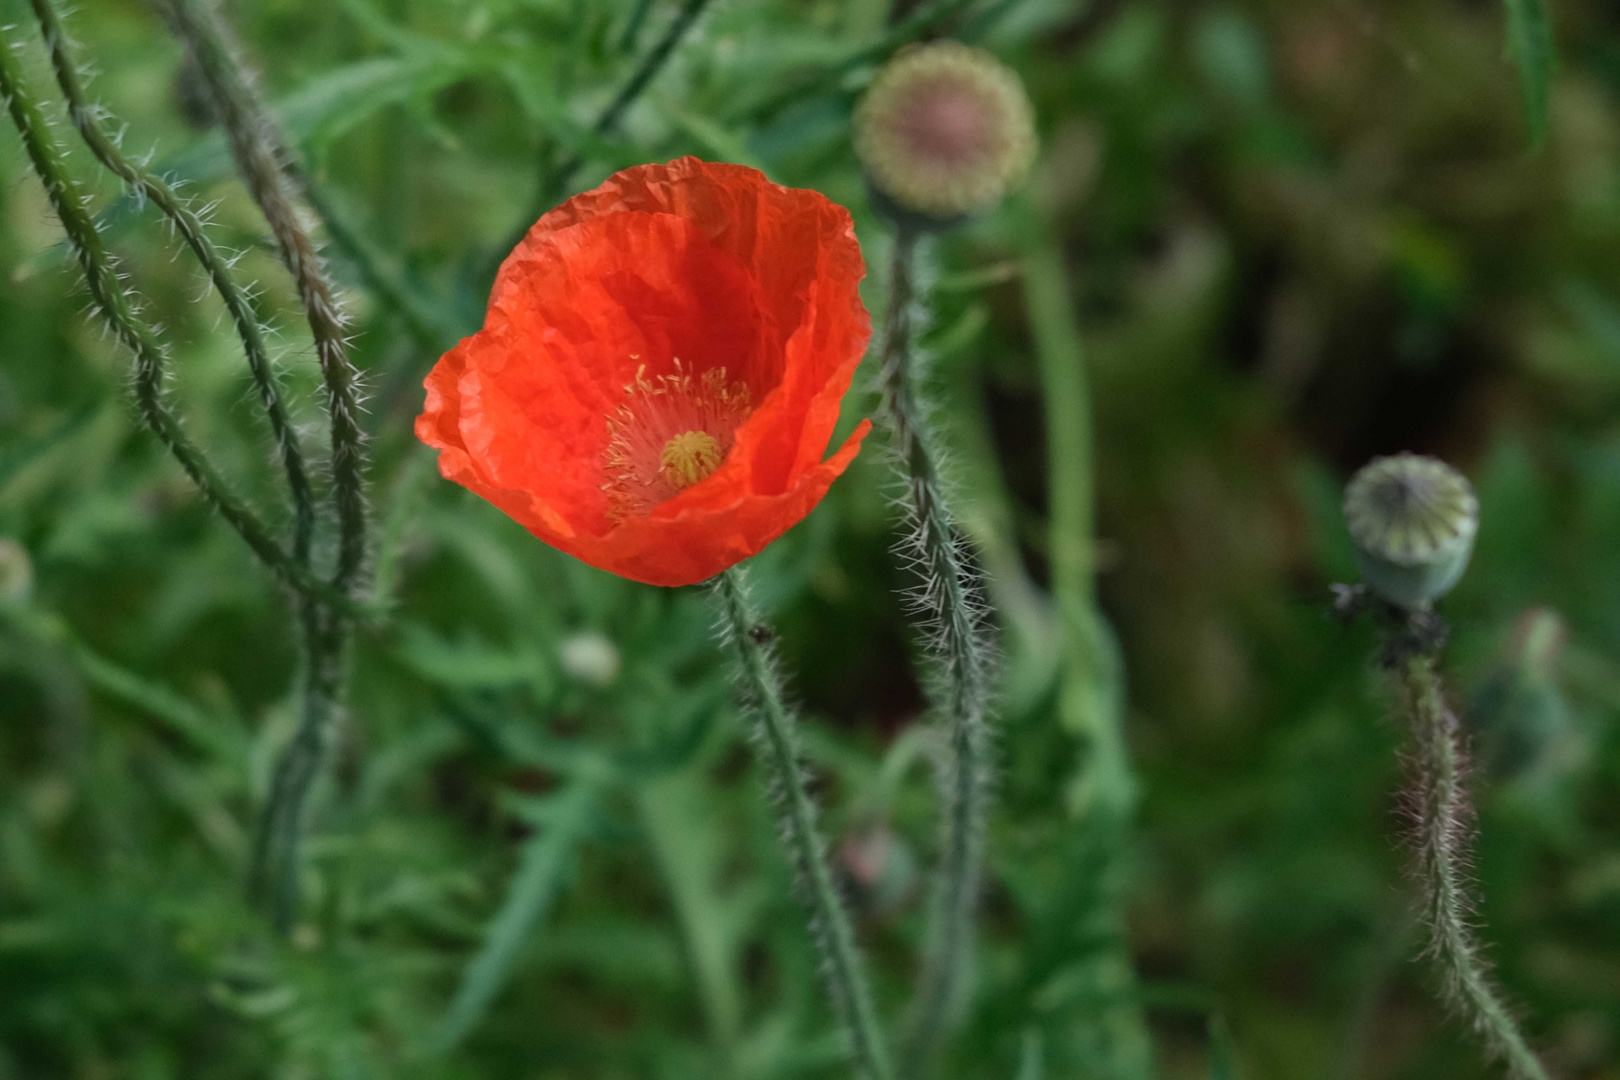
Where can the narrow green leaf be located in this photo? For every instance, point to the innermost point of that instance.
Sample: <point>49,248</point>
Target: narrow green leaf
<point>547,861</point>
<point>1222,1053</point>
<point>211,734</point>
<point>1031,1056</point>
<point>1530,44</point>
<point>687,843</point>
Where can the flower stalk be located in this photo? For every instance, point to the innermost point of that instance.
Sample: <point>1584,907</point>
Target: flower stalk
<point>113,299</point>
<point>91,126</point>
<point>777,743</point>
<point>266,163</point>
<point>264,159</point>
<point>1443,840</point>
<point>951,602</point>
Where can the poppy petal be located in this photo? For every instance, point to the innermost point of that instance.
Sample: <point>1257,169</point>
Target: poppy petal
<point>665,284</point>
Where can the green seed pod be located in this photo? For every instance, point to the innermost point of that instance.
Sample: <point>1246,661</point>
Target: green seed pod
<point>945,130</point>
<point>1413,521</point>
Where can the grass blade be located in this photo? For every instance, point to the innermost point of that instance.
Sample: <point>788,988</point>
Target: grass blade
<point>547,860</point>
<point>1530,44</point>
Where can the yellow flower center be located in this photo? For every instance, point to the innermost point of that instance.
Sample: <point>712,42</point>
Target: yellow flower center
<point>689,457</point>
<point>672,432</point>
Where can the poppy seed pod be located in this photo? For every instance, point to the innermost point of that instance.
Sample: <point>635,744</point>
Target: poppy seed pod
<point>944,130</point>
<point>1413,521</point>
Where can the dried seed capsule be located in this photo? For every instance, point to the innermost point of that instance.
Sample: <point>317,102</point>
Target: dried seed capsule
<point>1413,521</point>
<point>945,130</point>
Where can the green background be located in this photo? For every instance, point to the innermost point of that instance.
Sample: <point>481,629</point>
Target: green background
<point>1296,234</point>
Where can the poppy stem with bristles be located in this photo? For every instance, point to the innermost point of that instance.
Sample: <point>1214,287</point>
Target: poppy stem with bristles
<point>92,129</point>
<point>1444,834</point>
<point>264,158</point>
<point>950,600</point>
<point>265,161</point>
<point>112,298</point>
<point>777,743</point>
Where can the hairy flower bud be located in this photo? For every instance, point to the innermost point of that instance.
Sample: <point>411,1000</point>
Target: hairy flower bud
<point>1413,521</point>
<point>945,130</point>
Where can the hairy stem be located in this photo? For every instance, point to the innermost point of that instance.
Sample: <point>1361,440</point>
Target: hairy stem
<point>273,871</point>
<point>265,162</point>
<point>950,601</point>
<point>1444,841</point>
<point>263,159</point>
<point>111,297</point>
<point>90,126</point>
<point>777,743</point>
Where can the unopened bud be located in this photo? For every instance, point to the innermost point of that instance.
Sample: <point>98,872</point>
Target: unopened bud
<point>944,131</point>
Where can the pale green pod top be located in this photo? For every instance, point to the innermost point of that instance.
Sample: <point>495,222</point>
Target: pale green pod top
<point>1413,521</point>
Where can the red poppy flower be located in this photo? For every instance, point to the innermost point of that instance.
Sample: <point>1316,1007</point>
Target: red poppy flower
<point>660,371</point>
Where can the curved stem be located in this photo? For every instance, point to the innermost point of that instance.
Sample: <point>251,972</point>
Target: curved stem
<point>263,158</point>
<point>112,299</point>
<point>191,228</point>
<point>1445,834</point>
<point>777,743</point>
<point>264,161</point>
<point>951,603</point>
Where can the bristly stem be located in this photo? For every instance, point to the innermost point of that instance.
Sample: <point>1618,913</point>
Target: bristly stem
<point>777,743</point>
<point>950,601</point>
<point>90,125</point>
<point>265,162</point>
<point>1444,834</point>
<point>273,875</point>
<point>115,303</point>
<point>263,158</point>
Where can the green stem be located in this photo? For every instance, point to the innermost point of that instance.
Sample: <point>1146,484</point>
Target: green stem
<point>778,745</point>
<point>554,180</point>
<point>273,874</point>
<point>951,601</point>
<point>922,19</point>
<point>1445,834</point>
<point>265,162</point>
<point>1091,694</point>
<point>190,226</point>
<point>433,327</point>
<point>112,299</point>
<point>263,159</point>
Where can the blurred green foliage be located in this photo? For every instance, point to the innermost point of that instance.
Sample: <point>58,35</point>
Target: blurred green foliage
<point>1299,234</point>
